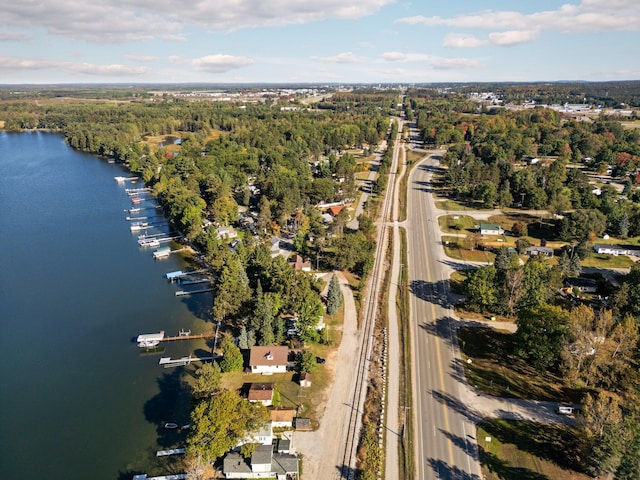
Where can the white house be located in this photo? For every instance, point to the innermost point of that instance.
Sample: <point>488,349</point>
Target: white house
<point>226,233</point>
<point>268,360</point>
<point>282,417</point>
<point>616,250</point>
<point>491,229</point>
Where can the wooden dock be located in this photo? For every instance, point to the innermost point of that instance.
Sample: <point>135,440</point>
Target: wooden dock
<point>188,337</point>
<point>171,451</point>
<point>181,293</point>
<point>168,362</point>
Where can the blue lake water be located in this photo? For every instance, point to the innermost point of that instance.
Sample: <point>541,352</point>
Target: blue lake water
<point>78,400</point>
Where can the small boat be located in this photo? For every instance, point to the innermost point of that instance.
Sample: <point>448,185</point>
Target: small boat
<point>149,340</point>
<point>136,200</point>
<point>185,427</point>
<point>170,425</point>
<point>150,242</point>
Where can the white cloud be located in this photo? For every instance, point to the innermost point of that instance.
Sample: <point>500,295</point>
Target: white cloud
<point>432,61</point>
<point>113,70</point>
<point>405,57</point>
<point>14,63</point>
<point>140,58</point>
<point>586,16</point>
<point>455,40</point>
<point>218,63</point>
<point>131,20</point>
<point>513,37</point>
<point>455,63</point>
<point>345,57</point>
<point>7,36</point>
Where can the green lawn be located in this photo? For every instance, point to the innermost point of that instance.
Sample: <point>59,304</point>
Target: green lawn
<point>454,247</point>
<point>495,370</point>
<point>516,450</point>
<point>457,223</point>
<point>599,260</point>
<point>450,205</point>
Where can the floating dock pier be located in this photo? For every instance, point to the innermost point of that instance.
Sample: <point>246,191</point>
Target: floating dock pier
<point>177,275</point>
<point>188,337</point>
<point>182,293</point>
<point>125,179</point>
<point>164,252</point>
<point>149,340</point>
<point>171,451</point>
<point>178,476</point>
<point>168,362</point>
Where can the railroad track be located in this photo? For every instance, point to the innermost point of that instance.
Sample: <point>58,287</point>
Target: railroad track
<point>347,470</point>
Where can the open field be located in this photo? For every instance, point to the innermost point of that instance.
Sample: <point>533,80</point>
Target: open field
<point>515,450</point>
<point>454,247</point>
<point>599,260</point>
<point>495,370</point>
<point>458,224</point>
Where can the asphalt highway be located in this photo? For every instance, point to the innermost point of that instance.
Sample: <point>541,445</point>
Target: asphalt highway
<point>444,429</point>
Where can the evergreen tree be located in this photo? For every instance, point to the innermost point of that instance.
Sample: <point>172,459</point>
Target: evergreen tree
<point>243,339</point>
<point>575,268</point>
<point>232,289</point>
<point>232,360</point>
<point>334,296</point>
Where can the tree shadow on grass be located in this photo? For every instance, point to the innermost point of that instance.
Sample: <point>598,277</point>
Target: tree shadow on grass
<point>555,443</point>
<point>503,470</point>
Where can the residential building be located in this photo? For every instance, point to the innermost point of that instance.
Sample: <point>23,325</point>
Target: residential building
<point>609,249</point>
<point>491,229</point>
<point>584,285</point>
<point>261,392</point>
<point>268,359</point>
<point>264,463</point>
<point>226,233</point>
<point>282,417</point>
<point>539,251</point>
<point>298,263</point>
<point>305,379</point>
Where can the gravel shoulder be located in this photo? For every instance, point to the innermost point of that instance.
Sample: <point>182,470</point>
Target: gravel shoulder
<point>321,448</point>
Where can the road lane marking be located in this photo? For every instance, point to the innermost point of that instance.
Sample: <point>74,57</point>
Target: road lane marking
<point>438,354</point>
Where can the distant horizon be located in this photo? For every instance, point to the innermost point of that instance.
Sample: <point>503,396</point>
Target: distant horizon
<point>309,83</point>
<point>318,41</point>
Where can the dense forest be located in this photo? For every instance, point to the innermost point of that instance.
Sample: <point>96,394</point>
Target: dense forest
<point>255,167</point>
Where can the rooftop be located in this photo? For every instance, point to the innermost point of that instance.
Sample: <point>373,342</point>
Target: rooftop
<point>269,356</point>
<point>260,391</point>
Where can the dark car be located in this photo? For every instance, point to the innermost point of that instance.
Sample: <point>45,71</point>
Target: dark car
<point>320,360</point>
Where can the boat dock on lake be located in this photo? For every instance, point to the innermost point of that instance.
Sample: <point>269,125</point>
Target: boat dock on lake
<point>182,293</point>
<point>132,192</point>
<point>177,476</point>
<point>151,340</point>
<point>171,451</point>
<point>164,252</point>
<point>179,274</point>
<point>126,179</point>
<point>168,362</point>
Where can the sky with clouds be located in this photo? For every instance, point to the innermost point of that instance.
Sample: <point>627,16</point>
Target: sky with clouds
<point>317,41</point>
